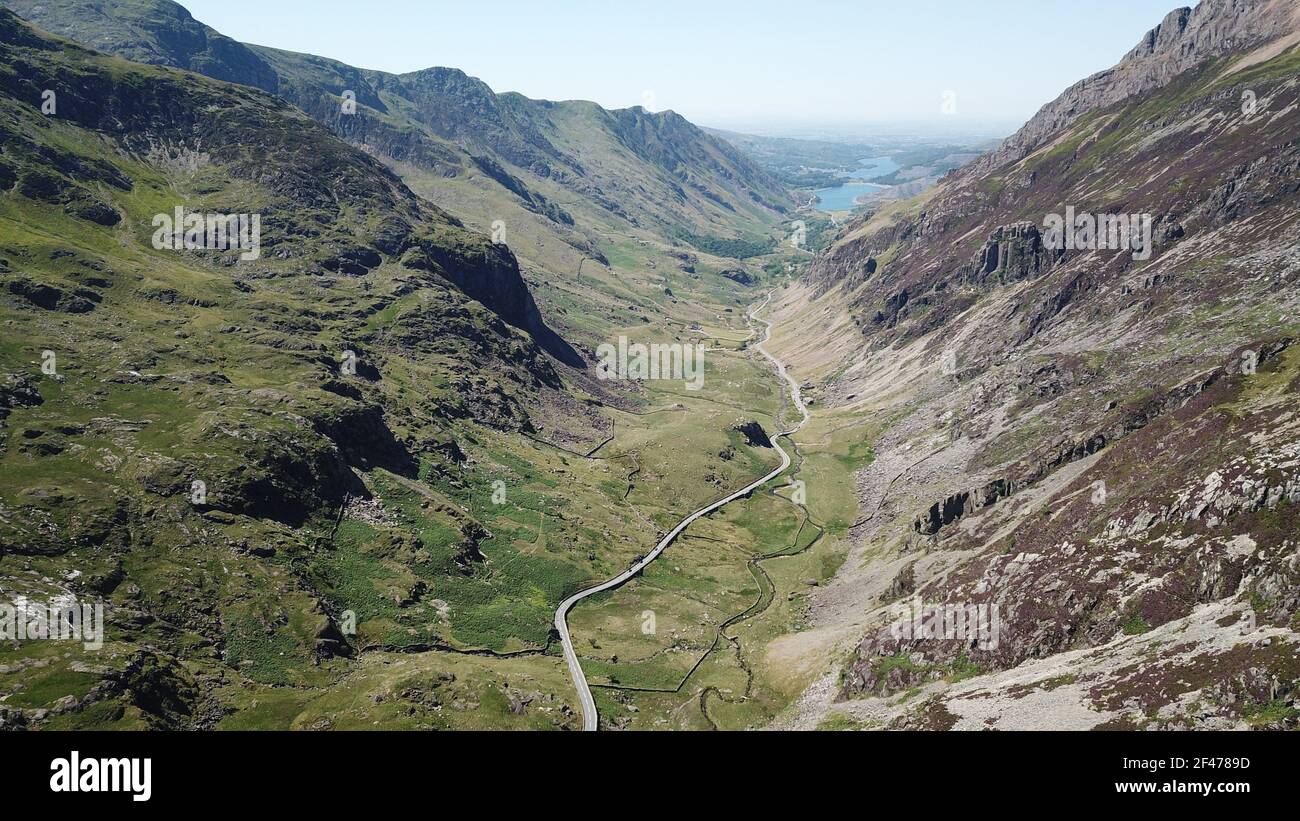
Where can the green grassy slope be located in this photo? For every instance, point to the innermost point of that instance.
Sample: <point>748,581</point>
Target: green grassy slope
<point>166,369</point>
<point>330,497</point>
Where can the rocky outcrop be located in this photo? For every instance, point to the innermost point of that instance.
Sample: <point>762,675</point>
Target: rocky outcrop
<point>941,514</point>
<point>16,391</point>
<point>892,309</point>
<point>739,275</point>
<point>1012,253</point>
<point>754,434</point>
<point>468,554</point>
<point>53,298</point>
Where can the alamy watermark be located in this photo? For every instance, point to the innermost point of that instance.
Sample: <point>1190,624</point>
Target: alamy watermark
<point>948,362</point>
<point>209,232</point>
<point>117,775</point>
<point>1099,232</point>
<point>1249,103</point>
<point>1249,362</point>
<point>798,234</point>
<point>948,104</point>
<point>62,618</point>
<point>657,361</point>
<point>1099,493</point>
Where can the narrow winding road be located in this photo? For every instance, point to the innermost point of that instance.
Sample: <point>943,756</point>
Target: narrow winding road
<point>589,715</point>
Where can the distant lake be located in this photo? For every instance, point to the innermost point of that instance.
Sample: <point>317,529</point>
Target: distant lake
<point>841,197</point>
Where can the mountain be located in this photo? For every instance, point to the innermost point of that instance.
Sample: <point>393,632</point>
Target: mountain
<point>629,163</point>
<point>1093,439</point>
<point>345,462</point>
<point>1185,39</point>
<point>159,34</point>
<point>183,428</point>
<point>570,187</point>
<point>645,169</point>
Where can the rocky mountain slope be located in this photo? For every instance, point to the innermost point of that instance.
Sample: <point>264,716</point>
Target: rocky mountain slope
<point>1096,443</point>
<point>653,170</point>
<point>1186,38</point>
<point>183,428</point>
<point>157,34</point>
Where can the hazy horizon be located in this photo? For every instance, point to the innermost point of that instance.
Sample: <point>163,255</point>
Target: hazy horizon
<point>759,67</point>
<point>866,131</point>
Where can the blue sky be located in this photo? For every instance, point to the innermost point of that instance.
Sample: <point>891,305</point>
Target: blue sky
<point>728,64</point>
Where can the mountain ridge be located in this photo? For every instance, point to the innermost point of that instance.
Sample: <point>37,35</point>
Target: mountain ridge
<point>454,112</point>
<point>1185,38</point>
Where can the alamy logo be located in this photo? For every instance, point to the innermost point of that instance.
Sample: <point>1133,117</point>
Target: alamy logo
<point>949,105</point>
<point>1249,362</point>
<point>1099,493</point>
<point>62,618</point>
<point>798,234</point>
<point>209,232</point>
<point>915,620</point>
<point>1101,232</point>
<point>948,362</point>
<point>128,775</point>
<point>656,361</point>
